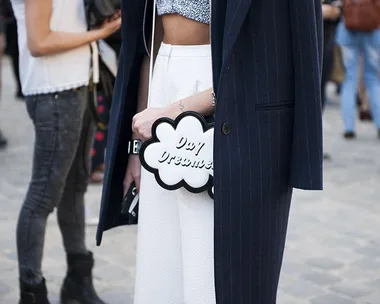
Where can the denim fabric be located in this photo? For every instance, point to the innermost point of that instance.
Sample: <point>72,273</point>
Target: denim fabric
<point>345,37</point>
<point>61,166</point>
<point>354,45</point>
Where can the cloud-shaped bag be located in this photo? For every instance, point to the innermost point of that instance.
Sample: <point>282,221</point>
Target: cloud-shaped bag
<point>180,153</point>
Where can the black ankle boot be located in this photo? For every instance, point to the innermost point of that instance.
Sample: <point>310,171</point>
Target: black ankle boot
<point>33,294</point>
<point>78,287</point>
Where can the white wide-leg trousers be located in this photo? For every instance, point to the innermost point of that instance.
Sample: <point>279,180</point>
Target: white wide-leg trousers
<point>175,245</point>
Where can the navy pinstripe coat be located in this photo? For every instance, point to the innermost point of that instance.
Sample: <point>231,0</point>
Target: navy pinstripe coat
<point>267,58</point>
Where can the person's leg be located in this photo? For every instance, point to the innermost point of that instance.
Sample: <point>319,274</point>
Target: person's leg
<point>159,275</point>
<point>70,210</point>
<point>364,111</point>
<point>337,73</point>
<point>3,140</point>
<point>371,58</point>
<point>196,213</point>
<point>13,52</point>
<point>57,120</point>
<point>328,60</point>
<point>78,284</point>
<point>349,88</point>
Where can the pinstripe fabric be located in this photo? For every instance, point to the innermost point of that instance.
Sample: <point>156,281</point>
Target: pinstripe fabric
<point>268,92</point>
<point>267,67</point>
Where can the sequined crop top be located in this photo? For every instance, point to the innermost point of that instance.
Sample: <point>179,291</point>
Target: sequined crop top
<point>198,10</point>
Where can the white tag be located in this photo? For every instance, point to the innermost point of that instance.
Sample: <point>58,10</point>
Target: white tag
<point>133,205</point>
<point>108,56</point>
<point>95,62</point>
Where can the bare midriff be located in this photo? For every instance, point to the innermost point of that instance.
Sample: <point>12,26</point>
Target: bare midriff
<point>179,30</point>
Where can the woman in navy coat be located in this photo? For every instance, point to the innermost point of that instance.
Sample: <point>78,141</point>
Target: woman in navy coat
<point>266,60</point>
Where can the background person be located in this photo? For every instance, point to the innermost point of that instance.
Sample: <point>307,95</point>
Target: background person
<point>3,13</point>
<point>268,140</point>
<point>331,10</point>
<point>354,44</point>
<point>55,68</point>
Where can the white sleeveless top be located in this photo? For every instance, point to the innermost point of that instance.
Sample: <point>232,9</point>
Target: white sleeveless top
<point>60,72</point>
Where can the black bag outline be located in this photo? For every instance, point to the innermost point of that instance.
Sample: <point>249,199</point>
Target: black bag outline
<point>174,123</point>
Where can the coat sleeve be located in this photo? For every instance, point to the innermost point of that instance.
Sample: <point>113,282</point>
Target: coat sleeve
<point>307,36</point>
<point>122,110</point>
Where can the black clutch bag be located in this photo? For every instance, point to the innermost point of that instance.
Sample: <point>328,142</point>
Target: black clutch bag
<point>130,205</point>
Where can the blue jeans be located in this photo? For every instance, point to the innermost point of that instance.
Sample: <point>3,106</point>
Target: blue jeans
<point>354,45</point>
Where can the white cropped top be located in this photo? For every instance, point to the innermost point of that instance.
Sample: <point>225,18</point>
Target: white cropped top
<point>60,72</point>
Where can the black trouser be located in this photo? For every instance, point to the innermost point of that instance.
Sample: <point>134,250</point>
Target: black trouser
<point>12,50</point>
<point>328,61</point>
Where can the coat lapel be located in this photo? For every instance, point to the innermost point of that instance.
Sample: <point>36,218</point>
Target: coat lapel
<point>235,15</point>
<point>218,13</point>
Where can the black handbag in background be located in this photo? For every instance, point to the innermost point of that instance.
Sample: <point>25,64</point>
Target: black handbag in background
<point>99,10</point>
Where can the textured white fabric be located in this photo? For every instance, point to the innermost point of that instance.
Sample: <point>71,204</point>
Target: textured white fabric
<point>175,245</point>
<point>58,72</point>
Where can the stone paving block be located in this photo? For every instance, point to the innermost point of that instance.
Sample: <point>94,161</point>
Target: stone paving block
<point>11,298</point>
<point>325,263</point>
<point>4,289</point>
<point>294,268</point>
<point>302,289</point>
<point>284,298</point>
<point>6,263</point>
<point>54,298</point>
<point>321,279</point>
<point>373,298</point>
<point>369,264</point>
<point>375,283</point>
<point>330,299</point>
<point>353,273</point>
<point>112,272</point>
<point>340,241</point>
<point>117,297</point>
<point>352,291</point>
<point>370,251</point>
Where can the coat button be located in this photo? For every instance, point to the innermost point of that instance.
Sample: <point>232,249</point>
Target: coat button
<point>226,128</point>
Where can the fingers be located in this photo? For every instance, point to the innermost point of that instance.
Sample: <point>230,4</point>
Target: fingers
<point>137,181</point>
<point>118,21</point>
<point>138,128</point>
<point>127,183</point>
<point>115,16</point>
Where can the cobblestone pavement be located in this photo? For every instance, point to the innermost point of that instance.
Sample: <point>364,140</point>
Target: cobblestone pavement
<point>333,248</point>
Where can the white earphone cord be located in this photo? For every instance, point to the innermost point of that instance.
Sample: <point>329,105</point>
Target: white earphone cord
<point>151,53</point>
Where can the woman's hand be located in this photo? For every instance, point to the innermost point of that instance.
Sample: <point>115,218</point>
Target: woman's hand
<point>133,173</point>
<point>201,103</point>
<point>143,121</point>
<point>330,12</point>
<point>111,25</point>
